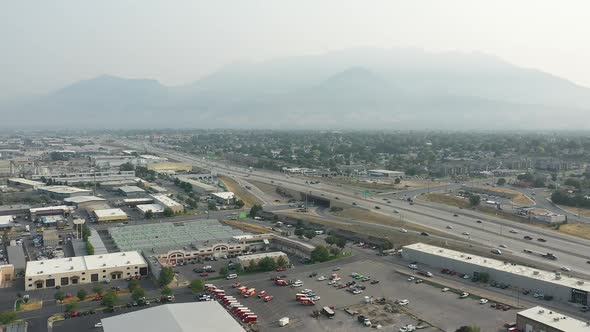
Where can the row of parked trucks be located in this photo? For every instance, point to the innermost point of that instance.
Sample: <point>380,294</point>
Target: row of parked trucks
<point>242,313</point>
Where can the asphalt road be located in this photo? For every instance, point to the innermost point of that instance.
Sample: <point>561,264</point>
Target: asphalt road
<point>571,251</point>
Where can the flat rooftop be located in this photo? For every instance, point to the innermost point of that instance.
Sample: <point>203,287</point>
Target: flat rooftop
<point>224,195</point>
<point>26,182</point>
<point>169,202</point>
<point>262,255</point>
<point>63,189</point>
<point>109,213</point>
<point>495,264</point>
<point>171,235</point>
<point>155,208</point>
<point>51,208</point>
<point>131,189</point>
<point>385,171</point>
<point>83,263</point>
<point>555,320</point>
<point>83,199</point>
<point>208,316</point>
<point>14,207</point>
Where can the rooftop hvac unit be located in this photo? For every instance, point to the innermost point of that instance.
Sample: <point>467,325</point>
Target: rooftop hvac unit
<point>555,319</point>
<point>71,267</point>
<point>536,272</point>
<point>123,254</point>
<point>580,282</point>
<point>541,311</point>
<point>104,264</point>
<point>40,272</point>
<point>128,262</point>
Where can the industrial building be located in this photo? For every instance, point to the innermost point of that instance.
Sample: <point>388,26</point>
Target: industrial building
<point>168,202</point>
<point>24,183</point>
<point>137,201</point>
<point>61,192</point>
<point>82,202</point>
<point>99,176</point>
<point>248,260</point>
<point>14,210</point>
<point>131,191</point>
<point>57,210</point>
<point>207,316</point>
<point>82,270</point>
<point>385,173</point>
<point>156,209</point>
<point>539,319</point>
<point>561,288</point>
<point>108,215</point>
<point>6,222</point>
<point>170,167</point>
<point>224,198</point>
<point>16,257</point>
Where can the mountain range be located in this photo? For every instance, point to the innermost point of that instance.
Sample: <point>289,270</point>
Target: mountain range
<point>351,89</point>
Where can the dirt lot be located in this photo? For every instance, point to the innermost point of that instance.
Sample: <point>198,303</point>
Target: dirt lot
<point>242,193</point>
<point>573,210</point>
<point>576,229</point>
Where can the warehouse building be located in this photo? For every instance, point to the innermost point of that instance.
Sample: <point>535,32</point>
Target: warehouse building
<point>207,316</point>
<point>109,215</point>
<point>539,319</point>
<point>83,270</point>
<point>156,209</point>
<point>6,222</point>
<point>170,167</point>
<point>16,257</point>
<point>561,288</point>
<point>57,210</point>
<point>102,176</point>
<point>224,198</point>
<point>383,173</point>
<point>131,191</point>
<point>82,202</point>
<point>113,185</point>
<point>15,210</point>
<point>24,183</point>
<point>137,201</point>
<point>248,260</point>
<point>168,202</point>
<point>61,192</point>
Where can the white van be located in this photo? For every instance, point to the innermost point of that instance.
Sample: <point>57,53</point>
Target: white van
<point>496,251</point>
<point>231,276</point>
<point>27,228</point>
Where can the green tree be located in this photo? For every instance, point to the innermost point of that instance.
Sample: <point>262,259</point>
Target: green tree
<point>267,264</point>
<point>89,248</point>
<point>238,268</point>
<point>7,317</point>
<point>310,233</point>
<point>397,181</point>
<point>483,277</point>
<point>82,294</point>
<point>133,284</point>
<point>197,285</point>
<point>298,231</point>
<point>223,271</point>
<point>168,212</point>
<point>166,276</point>
<point>254,210</point>
<point>282,262</point>
<point>212,206</point>
<point>149,214</point>
<point>240,203</point>
<point>166,291</point>
<point>341,242</point>
<point>501,181</point>
<point>97,290</point>
<point>334,251</point>
<point>252,266</point>
<point>330,239</point>
<point>59,295</point>
<point>320,254</point>
<point>126,167</point>
<point>474,200</point>
<point>137,293</point>
<point>110,299</point>
<point>71,306</point>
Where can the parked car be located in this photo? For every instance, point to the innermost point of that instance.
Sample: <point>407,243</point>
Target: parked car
<point>464,295</point>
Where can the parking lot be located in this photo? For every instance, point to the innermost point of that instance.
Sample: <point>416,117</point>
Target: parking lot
<point>442,309</point>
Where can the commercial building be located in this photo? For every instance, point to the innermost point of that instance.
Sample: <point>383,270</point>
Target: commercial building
<point>131,191</point>
<point>99,176</point>
<point>14,210</point>
<point>82,270</point>
<point>539,319</point>
<point>542,215</point>
<point>52,221</point>
<point>16,257</point>
<point>6,222</point>
<point>61,192</point>
<point>207,316</point>
<point>174,167</point>
<point>225,198</point>
<point>168,202</point>
<point>518,277</point>
<point>137,201</point>
<point>24,183</point>
<point>248,260</point>
<point>56,210</point>
<point>108,215</point>
<point>113,185</point>
<point>81,202</point>
<point>156,209</point>
<point>385,173</point>
<point>6,274</point>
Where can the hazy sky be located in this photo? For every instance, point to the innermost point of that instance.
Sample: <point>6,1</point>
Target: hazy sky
<point>47,44</point>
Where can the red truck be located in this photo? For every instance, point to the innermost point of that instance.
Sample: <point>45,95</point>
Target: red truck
<point>235,310</point>
<point>300,296</point>
<point>262,294</point>
<point>250,319</point>
<point>306,301</point>
<point>244,314</point>
<point>243,289</point>
<point>281,282</point>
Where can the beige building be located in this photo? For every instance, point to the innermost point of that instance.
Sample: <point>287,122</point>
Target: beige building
<point>177,167</point>
<point>84,269</point>
<point>248,260</point>
<point>107,215</point>
<point>166,201</point>
<point>539,319</point>
<point>6,274</point>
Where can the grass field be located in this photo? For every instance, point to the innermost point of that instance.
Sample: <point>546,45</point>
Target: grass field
<point>581,230</point>
<point>573,210</point>
<point>244,194</point>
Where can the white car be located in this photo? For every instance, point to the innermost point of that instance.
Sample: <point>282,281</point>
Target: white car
<point>357,291</point>
<point>503,246</point>
<point>483,301</point>
<point>403,230</point>
<point>464,295</point>
<point>99,324</point>
<point>331,282</point>
<point>513,231</point>
<point>306,291</point>
<point>413,266</point>
<point>465,233</point>
<point>565,268</point>
<point>449,227</point>
<point>403,302</point>
<point>395,211</point>
<point>297,283</point>
<point>445,289</point>
<point>411,279</point>
<point>315,298</point>
<point>322,278</point>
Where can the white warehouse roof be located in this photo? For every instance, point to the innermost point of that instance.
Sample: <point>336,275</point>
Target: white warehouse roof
<point>165,200</point>
<point>554,319</point>
<point>224,195</point>
<point>63,189</point>
<point>83,263</point>
<point>155,208</point>
<point>208,316</point>
<point>109,213</point>
<point>83,199</point>
<point>495,264</point>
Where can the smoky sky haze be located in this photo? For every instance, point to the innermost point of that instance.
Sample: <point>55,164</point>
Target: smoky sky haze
<point>48,44</point>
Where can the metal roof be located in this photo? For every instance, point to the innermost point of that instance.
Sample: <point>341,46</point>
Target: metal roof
<point>555,320</point>
<point>207,316</point>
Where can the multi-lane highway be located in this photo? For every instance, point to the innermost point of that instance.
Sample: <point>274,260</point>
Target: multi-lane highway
<point>493,232</point>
